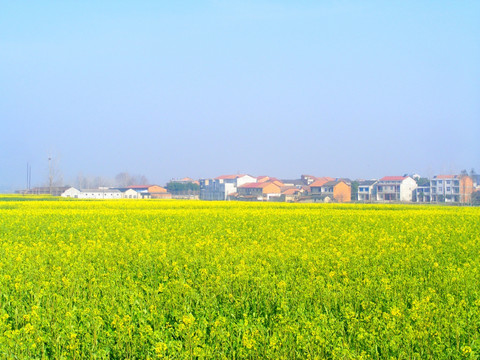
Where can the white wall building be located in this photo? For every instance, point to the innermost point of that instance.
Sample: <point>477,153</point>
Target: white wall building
<point>92,193</point>
<point>71,193</point>
<point>366,190</point>
<point>131,194</point>
<point>396,188</point>
<point>223,186</point>
<point>446,188</point>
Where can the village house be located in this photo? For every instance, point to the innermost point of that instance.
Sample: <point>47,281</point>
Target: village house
<point>131,192</point>
<point>422,194</point>
<point>366,190</point>
<point>159,192</point>
<point>316,186</point>
<point>262,191</point>
<point>223,186</point>
<point>101,193</point>
<point>144,192</point>
<point>451,188</point>
<point>291,193</point>
<point>396,188</point>
<point>338,191</point>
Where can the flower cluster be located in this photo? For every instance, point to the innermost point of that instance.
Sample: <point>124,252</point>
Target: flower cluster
<point>172,279</point>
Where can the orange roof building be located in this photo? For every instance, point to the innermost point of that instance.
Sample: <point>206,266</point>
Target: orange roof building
<point>262,191</point>
<point>338,191</point>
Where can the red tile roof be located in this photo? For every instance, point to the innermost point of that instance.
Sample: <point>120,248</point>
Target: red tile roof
<point>393,178</point>
<point>445,177</point>
<point>258,185</point>
<point>255,185</point>
<point>290,191</point>
<point>264,178</point>
<point>229,177</point>
<point>320,181</point>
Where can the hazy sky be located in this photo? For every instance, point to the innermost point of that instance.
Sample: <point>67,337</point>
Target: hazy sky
<point>202,88</point>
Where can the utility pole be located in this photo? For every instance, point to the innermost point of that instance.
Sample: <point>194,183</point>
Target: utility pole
<point>50,174</point>
<point>29,176</point>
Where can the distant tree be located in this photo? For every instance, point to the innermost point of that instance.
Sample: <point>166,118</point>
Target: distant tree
<point>472,172</point>
<point>175,187</point>
<point>80,181</point>
<point>124,179</point>
<point>476,198</point>
<point>354,187</point>
<point>140,180</point>
<point>464,172</point>
<point>89,182</point>
<point>421,196</point>
<point>55,176</point>
<point>99,181</point>
<point>422,181</point>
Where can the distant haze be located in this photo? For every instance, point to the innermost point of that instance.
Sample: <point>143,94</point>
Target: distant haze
<point>357,89</point>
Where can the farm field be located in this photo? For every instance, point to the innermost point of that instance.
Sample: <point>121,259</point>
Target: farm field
<point>228,280</point>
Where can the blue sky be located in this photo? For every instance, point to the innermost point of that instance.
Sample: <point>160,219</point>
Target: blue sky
<point>332,88</point>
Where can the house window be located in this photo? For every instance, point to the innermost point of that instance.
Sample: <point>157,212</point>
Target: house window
<point>448,188</point>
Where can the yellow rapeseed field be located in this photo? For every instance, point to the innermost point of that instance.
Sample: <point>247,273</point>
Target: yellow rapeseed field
<point>228,280</point>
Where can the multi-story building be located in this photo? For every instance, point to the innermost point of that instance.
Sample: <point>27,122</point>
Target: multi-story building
<point>422,194</point>
<point>221,187</point>
<point>396,188</point>
<point>338,191</point>
<point>316,186</point>
<point>451,188</point>
<point>260,190</point>
<point>366,190</point>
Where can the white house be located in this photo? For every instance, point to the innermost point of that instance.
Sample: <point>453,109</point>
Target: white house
<point>102,193</point>
<point>366,190</point>
<point>223,186</point>
<point>131,194</point>
<point>422,194</point>
<point>451,188</point>
<point>71,193</point>
<point>396,188</point>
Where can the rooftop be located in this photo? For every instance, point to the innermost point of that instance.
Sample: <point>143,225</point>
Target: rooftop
<point>256,185</point>
<point>442,177</point>
<point>229,177</point>
<point>333,183</point>
<point>321,181</point>
<point>367,182</point>
<point>393,178</point>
